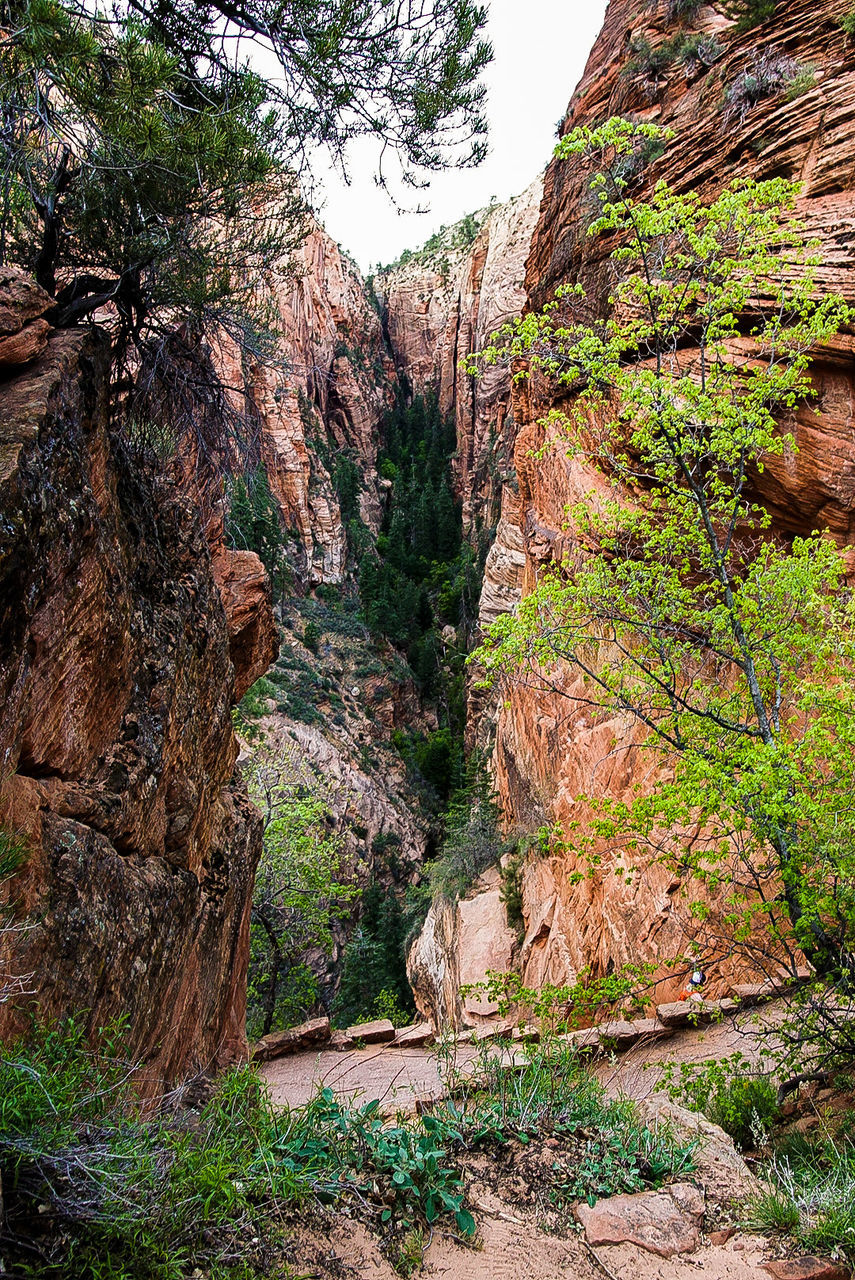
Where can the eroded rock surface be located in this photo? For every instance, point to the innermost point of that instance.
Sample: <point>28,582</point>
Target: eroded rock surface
<point>118,667</point>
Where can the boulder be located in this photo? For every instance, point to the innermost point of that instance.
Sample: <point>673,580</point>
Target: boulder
<point>420,1033</point>
<point>23,329</point>
<point>719,1168</point>
<point>618,1035</point>
<point>379,1032</point>
<point>292,1040</point>
<point>663,1222</point>
<point>805,1268</point>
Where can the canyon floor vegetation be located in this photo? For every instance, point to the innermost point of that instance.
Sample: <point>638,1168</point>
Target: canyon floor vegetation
<point>101,1184</point>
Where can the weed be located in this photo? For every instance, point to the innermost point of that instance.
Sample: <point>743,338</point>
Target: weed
<point>767,75</point>
<point>730,1092</point>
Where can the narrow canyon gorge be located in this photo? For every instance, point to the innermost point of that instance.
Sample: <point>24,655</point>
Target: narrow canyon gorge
<point>133,624</point>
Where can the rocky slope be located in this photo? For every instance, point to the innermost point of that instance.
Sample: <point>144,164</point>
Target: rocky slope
<point>124,644</point>
<point>547,749</point>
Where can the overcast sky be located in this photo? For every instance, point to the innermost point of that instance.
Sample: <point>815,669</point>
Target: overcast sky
<point>541,47</point>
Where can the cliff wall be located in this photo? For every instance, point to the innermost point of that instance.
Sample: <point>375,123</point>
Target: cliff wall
<point>124,645</point>
<point>324,399</point>
<point>548,750</point>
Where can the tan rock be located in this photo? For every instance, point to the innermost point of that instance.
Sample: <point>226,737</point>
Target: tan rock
<point>245,593</point>
<point>420,1033</point>
<point>25,345</point>
<point>380,1031</point>
<point>665,1222</point>
<point>806,1268</point>
<point>719,1168</point>
<point>619,1034</point>
<point>292,1040</point>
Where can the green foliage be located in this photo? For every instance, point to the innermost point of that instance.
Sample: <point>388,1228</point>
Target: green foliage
<point>768,74</point>
<point>473,838</point>
<point>124,164</point>
<point>299,889</point>
<point>740,1098</point>
<point>108,1189</point>
<point>684,10</point>
<point>750,13</point>
<point>847,23</point>
<point>731,650</point>
<point>557,1007</point>
<point>654,60</point>
<point>373,971</point>
<point>254,523</point>
<point>421,533</point>
<point>604,1150</point>
<point>810,1191</point>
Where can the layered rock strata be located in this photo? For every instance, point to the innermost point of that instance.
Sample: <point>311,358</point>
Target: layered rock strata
<point>549,749</point>
<point>325,400</point>
<point>119,662</point>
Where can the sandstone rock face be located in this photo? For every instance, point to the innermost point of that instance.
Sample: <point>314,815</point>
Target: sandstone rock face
<point>548,750</point>
<point>116,682</point>
<point>458,944</point>
<point>328,397</point>
<point>440,309</point>
<point>664,1222</point>
<point>23,327</point>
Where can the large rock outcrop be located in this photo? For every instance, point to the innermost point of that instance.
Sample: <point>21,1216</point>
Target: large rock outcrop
<point>548,747</point>
<point>323,401</point>
<point>119,663</point>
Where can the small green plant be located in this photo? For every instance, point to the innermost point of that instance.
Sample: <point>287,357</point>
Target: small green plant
<point>312,636</point>
<point>684,10</point>
<point>767,75</point>
<point>847,23</point>
<point>810,1192</point>
<point>730,1092</point>
<point>107,1188</point>
<point>750,13</point>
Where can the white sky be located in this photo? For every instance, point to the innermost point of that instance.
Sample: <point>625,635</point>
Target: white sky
<point>541,47</point>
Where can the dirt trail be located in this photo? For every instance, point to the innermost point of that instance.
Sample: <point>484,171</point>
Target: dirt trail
<point>511,1244</point>
<point>398,1076</point>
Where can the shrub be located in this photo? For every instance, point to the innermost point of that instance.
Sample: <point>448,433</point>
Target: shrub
<point>104,1187</point>
<point>683,10</point>
<point>750,13</point>
<point>312,636</point>
<point>767,75</point>
<point>847,23</point>
<point>810,1191</point>
<point>730,1092</point>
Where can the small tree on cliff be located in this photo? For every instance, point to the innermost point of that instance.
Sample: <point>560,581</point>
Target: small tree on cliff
<point>729,645</point>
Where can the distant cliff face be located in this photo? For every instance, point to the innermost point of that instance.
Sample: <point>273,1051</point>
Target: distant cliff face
<point>441,306</point>
<point>547,749</point>
<point>327,398</point>
<point>124,645</point>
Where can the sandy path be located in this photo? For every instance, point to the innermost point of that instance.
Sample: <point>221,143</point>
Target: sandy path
<point>398,1076</point>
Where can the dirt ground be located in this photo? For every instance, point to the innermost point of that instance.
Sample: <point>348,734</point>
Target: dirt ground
<point>398,1076</point>
<point>512,1242</point>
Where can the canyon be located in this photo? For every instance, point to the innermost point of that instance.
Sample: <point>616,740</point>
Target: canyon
<point>129,632</point>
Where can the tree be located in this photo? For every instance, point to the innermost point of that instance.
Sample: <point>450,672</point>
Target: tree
<point>299,891</point>
<point>730,646</point>
<point>151,177</point>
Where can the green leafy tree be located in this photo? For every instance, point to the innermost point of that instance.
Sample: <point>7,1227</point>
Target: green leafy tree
<point>730,647</point>
<point>299,889</point>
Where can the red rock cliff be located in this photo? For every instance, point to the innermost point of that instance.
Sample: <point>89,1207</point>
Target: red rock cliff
<point>547,749</point>
<point>120,659</point>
